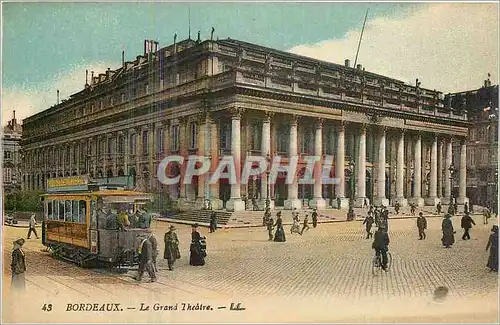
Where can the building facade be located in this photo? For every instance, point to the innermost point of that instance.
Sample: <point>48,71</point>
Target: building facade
<point>482,144</point>
<point>390,141</point>
<point>11,155</point>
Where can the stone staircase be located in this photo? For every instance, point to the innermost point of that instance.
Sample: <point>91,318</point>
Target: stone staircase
<point>202,217</point>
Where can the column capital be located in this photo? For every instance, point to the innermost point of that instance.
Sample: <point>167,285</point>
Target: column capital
<point>294,119</point>
<point>319,122</point>
<point>269,116</point>
<point>383,129</point>
<point>183,119</point>
<point>363,128</point>
<point>236,112</point>
<point>342,125</point>
<point>165,123</point>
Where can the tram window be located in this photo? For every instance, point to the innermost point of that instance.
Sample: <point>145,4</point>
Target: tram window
<point>67,214</point>
<point>75,211</point>
<point>50,216</point>
<point>81,211</point>
<point>61,210</point>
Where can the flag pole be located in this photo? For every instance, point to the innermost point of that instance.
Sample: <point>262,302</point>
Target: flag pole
<point>360,38</point>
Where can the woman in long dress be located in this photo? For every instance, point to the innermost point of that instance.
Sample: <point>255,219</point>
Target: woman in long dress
<point>18,266</point>
<point>197,248</point>
<point>448,232</point>
<point>493,246</point>
<point>279,236</point>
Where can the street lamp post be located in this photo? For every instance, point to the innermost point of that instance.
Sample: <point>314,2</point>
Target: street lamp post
<point>268,186</point>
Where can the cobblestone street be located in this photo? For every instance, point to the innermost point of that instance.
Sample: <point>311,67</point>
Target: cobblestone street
<point>329,263</point>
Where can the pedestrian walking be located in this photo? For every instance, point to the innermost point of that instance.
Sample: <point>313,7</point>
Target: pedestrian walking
<point>305,224</point>
<point>381,245</point>
<point>198,247</point>
<point>18,266</point>
<point>412,208</point>
<point>146,260</point>
<point>466,207</point>
<point>439,207</point>
<point>32,226</point>
<point>267,215</point>
<point>213,222</point>
<point>279,235</point>
<point>171,252</point>
<point>486,215</point>
<point>295,224</point>
<point>365,203</point>
<point>350,215</point>
<point>314,217</point>
<point>269,225</point>
<point>421,225</point>
<point>154,247</point>
<point>448,238</point>
<point>493,246</point>
<point>466,224</point>
<point>368,222</point>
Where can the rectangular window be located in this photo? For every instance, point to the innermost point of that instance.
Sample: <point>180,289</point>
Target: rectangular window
<point>49,212</point>
<point>101,104</point>
<point>74,210</point>
<point>7,175</point>
<point>256,136</point>
<point>123,97</point>
<point>7,154</point>
<point>160,140</point>
<point>175,138</point>
<point>121,144</point>
<point>134,92</point>
<point>193,131</point>
<point>60,211</point>
<point>145,143</point>
<point>82,211</point>
<point>110,145</point>
<point>75,154</point>
<point>133,143</point>
<point>283,138</point>
<point>147,89</point>
<point>225,137</point>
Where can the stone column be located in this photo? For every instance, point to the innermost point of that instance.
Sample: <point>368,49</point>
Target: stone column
<point>151,182</point>
<point>318,202</point>
<point>381,199</point>
<point>235,203</point>
<point>447,175</point>
<point>213,138</point>
<point>339,169</point>
<point>293,189</point>
<point>114,152</point>
<point>361,170</point>
<point>202,125</point>
<point>417,173</point>
<point>266,152</point>
<point>401,171</point>
<point>126,134</point>
<point>184,153</point>
<point>138,159</point>
<point>440,169</point>
<point>433,198</point>
<point>462,183</point>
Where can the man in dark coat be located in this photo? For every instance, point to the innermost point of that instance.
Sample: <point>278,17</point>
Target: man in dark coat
<point>368,222</point>
<point>213,222</point>
<point>412,208</point>
<point>18,266</point>
<point>198,247</point>
<point>381,245</point>
<point>466,207</point>
<point>493,246</point>
<point>314,217</point>
<point>269,225</point>
<point>267,215</point>
<point>146,259</point>
<point>421,225</point>
<point>439,207</point>
<point>305,224</point>
<point>467,223</point>
<point>171,252</point>
<point>154,246</point>
<point>448,232</point>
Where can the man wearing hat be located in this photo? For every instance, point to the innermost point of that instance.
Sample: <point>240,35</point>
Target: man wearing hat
<point>18,266</point>
<point>32,226</point>
<point>171,252</point>
<point>145,250</point>
<point>381,244</point>
<point>197,248</point>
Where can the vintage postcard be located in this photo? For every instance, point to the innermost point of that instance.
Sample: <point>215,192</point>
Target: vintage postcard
<point>225,162</point>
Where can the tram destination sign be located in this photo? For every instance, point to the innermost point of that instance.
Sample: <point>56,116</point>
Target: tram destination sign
<point>67,183</point>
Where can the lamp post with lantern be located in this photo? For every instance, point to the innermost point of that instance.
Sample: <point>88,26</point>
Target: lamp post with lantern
<point>452,175</point>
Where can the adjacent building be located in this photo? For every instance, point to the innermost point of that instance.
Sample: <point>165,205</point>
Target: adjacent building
<point>11,139</point>
<point>482,145</point>
<point>390,141</point>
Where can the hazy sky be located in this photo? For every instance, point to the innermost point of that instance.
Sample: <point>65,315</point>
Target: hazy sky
<point>48,46</point>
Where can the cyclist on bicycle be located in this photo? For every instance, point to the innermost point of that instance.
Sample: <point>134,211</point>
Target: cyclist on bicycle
<point>381,244</point>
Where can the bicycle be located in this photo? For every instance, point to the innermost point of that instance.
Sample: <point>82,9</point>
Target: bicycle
<point>377,263</point>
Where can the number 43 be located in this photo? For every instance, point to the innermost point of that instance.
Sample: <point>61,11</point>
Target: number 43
<point>47,307</point>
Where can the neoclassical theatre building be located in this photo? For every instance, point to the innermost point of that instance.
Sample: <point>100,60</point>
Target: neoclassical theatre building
<point>391,142</point>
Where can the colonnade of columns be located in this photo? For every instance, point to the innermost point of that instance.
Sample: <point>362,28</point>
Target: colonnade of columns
<point>209,140</point>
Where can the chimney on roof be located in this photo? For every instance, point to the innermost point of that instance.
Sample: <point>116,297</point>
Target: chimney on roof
<point>14,121</point>
<point>86,78</point>
<point>108,72</point>
<point>359,67</point>
<point>347,63</point>
<point>92,77</point>
<point>146,47</point>
<point>58,96</point>
<point>198,40</point>
<point>123,58</point>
